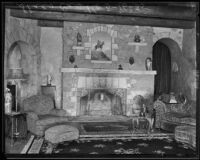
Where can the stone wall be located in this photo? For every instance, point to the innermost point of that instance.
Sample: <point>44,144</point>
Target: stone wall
<point>188,64</point>
<point>122,40</point>
<point>51,58</point>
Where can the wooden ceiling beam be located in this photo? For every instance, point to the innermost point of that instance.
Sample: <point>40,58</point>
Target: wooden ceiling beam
<point>104,19</point>
<point>168,12</point>
<point>47,23</point>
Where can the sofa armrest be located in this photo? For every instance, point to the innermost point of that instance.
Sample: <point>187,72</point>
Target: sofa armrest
<point>32,115</point>
<point>188,121</point>
<point>160,107</point>
<point>57,112</point>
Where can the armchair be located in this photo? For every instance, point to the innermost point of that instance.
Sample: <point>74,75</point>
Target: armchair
<point>41,114</point>
<point>170,115</point>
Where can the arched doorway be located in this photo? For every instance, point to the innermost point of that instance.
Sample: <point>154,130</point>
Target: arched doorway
<point>162,64</point>
<point>166,51</point>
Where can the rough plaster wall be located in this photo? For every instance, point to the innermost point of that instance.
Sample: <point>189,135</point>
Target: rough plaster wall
<point>51,50</point>
<point>27,33</point>
<point>188,64</point>
<point>29,65</point>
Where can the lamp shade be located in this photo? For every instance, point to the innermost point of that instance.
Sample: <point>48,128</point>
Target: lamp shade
<point>16,73</point>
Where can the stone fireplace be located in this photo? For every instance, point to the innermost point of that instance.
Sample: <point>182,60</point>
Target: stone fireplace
<point>103,102</point>
<point>99,92</point>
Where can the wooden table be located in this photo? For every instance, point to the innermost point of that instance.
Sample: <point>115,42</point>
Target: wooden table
<point>16,132</point>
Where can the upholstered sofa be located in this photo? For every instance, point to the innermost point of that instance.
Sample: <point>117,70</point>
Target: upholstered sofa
<point>170,115</point>
<point>41,114</point>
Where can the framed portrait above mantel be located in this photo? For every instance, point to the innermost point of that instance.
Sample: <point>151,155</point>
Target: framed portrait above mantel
<point>101,45</point>
<point>101,50</point>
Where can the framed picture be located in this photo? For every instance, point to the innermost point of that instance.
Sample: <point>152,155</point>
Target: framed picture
<point>101,47</point>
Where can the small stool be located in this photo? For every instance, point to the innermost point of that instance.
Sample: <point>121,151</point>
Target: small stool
<point>60,133</point>
<point>186,134</point>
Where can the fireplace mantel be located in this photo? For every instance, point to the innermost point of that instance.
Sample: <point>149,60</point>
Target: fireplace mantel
<point>88,70</point>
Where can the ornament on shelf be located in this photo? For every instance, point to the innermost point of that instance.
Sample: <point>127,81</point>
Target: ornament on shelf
<point>148,63</point>
<point>49,80</point>
<point>120,67</point>
<point>79,39</point>
<point>137,38</point>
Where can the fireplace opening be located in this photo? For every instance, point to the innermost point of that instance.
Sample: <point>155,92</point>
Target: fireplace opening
<point>100,102</point>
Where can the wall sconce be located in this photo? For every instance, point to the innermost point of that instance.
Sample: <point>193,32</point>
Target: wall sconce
<point>131,60</point>
<point>71,59</point>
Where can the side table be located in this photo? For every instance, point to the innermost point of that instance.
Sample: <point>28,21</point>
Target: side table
<point>18,125</point>
<point>141,123</point>
<point>50,91</point>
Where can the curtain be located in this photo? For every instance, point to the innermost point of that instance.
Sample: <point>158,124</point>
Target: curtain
<point>162,64</point>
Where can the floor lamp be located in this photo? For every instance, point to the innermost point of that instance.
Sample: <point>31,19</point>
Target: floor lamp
<point>16,76</point>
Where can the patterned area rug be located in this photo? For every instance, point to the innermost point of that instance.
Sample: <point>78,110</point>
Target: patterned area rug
<point>106,127</point>
<point>152,147</point>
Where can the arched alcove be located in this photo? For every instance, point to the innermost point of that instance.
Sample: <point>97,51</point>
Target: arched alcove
<point>174,57</point>
<point>22,69</point>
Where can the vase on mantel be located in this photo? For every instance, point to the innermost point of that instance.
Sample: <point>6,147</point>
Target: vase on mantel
<point>49,79</point>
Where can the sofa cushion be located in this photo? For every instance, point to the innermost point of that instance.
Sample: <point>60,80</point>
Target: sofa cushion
<point>32,115</point>
<point>174,117</point>
<point>40,104</point>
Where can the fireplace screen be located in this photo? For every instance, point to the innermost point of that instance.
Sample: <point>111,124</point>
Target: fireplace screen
<point>101,102</point>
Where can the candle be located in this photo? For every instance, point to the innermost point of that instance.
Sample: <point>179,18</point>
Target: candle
<point>102,96</point>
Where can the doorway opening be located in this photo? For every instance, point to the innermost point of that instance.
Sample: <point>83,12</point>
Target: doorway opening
<point>162,64</point>
<point>165,52</point>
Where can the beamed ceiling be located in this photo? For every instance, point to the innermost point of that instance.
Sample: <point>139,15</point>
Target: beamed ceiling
<point>156,14</point>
